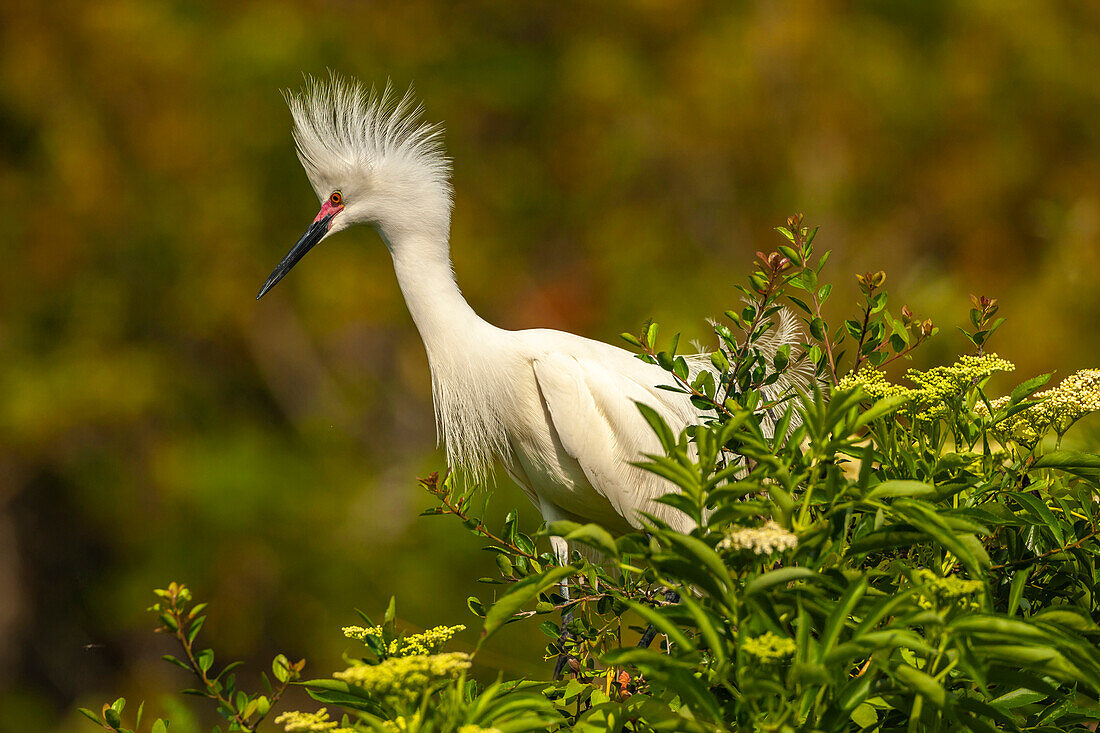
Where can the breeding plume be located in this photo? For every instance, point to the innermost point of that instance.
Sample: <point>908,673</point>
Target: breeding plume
<point>556,410</point>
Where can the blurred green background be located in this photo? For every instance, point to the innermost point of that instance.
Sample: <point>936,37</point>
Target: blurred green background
<point>613,162</point>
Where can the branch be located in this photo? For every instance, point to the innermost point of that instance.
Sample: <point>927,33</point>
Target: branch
<point>435,486</point>
<point>1032,560</point>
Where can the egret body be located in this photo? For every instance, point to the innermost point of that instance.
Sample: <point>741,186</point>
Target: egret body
<point>555,409</point>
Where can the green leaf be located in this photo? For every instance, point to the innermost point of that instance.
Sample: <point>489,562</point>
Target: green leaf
<point>864,715</point>
<point>922,684</point>
<point>280,667</point>
<point>924,518</point>
<point>775,577</point>
<point>1006,628</point>
<point>179,663</point>
<point>809,278</point>
<point>840,613</point>
<point>1040,512</point>
<point>643,658</point>
<point>1016,591</point>
<point>673,470</point>
<point>695,695</point>
<point>801,304</point>
<point>1028,388</point>
<point>976,548</point>
<point>707,628</point>
<point>892,638</point>
<point>989,712</point>
<point>884,608</point>
<point>701,553</point>
<point>659,426</point>
<point>196,626</point>
<point>332,685</point>
<point>390,617</point>
<point>883,539</point>
<point>1018,698</point>
<point>854,692</point>
<point>90,716</point>
<point>1067,617</point>
<point>900,488</point>
<point>160,726</point>
<point>520,595</point>
<point>662,623</point>
<point>880,409</point>
<point>680,368</point>
<point>1083,464</point>
<point>113,719</point>
<point>595,537</point>
<point>1025,657</point>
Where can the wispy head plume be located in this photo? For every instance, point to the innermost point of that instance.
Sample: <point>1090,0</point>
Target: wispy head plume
<point>341,128</point>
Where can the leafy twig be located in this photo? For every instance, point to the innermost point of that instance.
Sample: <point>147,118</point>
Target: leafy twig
<point>437,487</point>
<point>184,624</point>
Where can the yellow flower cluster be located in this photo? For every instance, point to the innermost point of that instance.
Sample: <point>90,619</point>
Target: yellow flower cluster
<point>318,722</point>
<point>400,724</point>
<point>760,540</point>
<point>941,383</point>
<point>400,680</point>
<point>769,647</point>
<point>964,372</point>
<point>1060,407</point>
<point>428,642</point>
<point>477,729</point>
<point>362,632</point>
<point>874,384</point>
<point>948,592</point>
<point>934,386</point>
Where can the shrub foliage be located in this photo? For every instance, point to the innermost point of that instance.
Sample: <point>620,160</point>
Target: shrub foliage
<point>869,555</point>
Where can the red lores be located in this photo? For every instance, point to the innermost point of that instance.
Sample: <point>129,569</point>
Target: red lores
<point>328,209</point>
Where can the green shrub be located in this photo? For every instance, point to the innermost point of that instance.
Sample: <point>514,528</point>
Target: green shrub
<point>868,556</point>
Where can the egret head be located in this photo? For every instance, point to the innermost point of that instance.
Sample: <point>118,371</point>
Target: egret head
<point>371,160</point>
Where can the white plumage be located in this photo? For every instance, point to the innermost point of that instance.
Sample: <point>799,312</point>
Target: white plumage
<point>557,410</point>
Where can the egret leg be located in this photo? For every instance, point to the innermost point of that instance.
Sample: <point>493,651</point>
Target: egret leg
<point>671,596</point>
<point>561,551</point>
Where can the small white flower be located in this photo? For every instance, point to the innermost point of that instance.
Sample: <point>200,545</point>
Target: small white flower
<point>760,540</point>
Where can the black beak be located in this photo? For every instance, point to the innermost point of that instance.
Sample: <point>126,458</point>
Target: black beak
<point>313,235</point>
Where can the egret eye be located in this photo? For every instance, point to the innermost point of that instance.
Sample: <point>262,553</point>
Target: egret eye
<point>336,198</point>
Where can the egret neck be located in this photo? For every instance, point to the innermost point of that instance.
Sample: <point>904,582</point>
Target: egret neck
<point>422,264</point>
<point>471,383</point>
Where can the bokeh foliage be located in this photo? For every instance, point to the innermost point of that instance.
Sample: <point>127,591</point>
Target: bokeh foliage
<point>612,162</point>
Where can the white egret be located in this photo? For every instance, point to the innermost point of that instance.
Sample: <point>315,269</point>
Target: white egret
<point>555,409</point>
